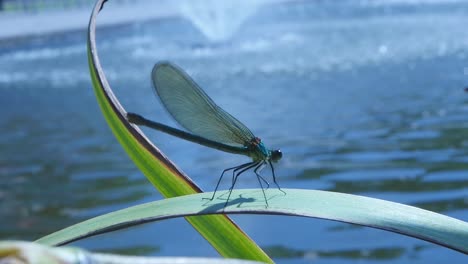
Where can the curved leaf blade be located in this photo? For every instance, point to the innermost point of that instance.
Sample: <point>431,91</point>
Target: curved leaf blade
<point>399,218</point>
<point>29,252</point>
<point>161,172</point>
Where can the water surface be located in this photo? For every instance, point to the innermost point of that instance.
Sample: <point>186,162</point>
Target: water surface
<point>362,98</point>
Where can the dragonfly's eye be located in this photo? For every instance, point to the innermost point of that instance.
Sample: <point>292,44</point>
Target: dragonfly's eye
<point>276,155</point>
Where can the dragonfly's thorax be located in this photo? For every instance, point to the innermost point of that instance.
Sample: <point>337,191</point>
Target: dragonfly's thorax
<point>258,151</point>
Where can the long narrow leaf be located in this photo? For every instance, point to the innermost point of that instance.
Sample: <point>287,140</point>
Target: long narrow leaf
<point>394,217</point>
<point>164,175</point>
<point>32,253</point>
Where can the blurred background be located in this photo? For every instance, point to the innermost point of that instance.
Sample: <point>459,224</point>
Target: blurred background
<point>363,97</point>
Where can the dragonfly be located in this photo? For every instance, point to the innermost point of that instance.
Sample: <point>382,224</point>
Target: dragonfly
<point>207,124</point>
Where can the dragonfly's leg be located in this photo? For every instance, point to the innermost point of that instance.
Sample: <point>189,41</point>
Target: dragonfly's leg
<point>274,176</point>
<point>221,177</point>
<point>256,170</point>
<point>244,168</point>
<point>240,167</point>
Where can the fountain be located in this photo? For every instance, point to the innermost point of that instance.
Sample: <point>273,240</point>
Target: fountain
<point>219,20</point>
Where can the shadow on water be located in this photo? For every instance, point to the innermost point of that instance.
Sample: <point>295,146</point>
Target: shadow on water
<point>132,251</point>
<point>390,253</point>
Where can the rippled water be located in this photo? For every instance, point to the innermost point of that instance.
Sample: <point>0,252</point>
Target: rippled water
<point>362,97</point>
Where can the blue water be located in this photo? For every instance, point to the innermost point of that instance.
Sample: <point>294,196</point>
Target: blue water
<point>362,97</point>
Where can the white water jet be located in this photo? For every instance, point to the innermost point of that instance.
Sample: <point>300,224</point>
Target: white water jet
<point>219,20</point>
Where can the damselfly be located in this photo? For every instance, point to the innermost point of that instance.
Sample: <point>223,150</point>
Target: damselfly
<point>207,124</point>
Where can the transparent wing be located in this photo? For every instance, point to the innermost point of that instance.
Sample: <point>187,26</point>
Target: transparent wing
<point>194,110</point>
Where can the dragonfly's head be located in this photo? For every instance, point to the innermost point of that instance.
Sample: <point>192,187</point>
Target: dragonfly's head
<point>276,155</point>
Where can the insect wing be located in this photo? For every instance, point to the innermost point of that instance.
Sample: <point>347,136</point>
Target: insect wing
<point>194,110</point>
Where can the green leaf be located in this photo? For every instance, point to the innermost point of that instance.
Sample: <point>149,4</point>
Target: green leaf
<point>27,252</point>
<point>160,171</point>
<point>408,220</point>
